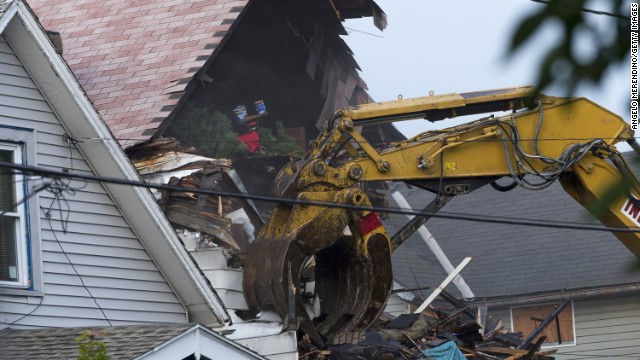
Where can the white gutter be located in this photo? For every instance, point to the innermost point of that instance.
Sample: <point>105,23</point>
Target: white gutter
<point>435,248</point>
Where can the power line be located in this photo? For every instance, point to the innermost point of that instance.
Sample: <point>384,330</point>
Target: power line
<point>466,217</point>
<point>597,12</point>
<point>47,214</point>
<point>363,32</point>
<point>381,142</point>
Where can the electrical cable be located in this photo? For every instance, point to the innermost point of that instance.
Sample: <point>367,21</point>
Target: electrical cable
<point>47,215</point>
<point>466,217</point>
<point>27,314</point>
<point>32,193</point>
<point>363,32</point>
<point>380,143</point>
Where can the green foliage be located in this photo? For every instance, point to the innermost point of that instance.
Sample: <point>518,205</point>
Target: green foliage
<point>90,349</point>
<point>279,143</point>
<point>210,133</point>
<point>563,65</point>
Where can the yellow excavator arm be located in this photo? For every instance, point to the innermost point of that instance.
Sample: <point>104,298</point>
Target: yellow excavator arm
<point>541,139</point>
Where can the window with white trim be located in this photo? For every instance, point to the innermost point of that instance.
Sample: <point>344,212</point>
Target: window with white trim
<point>13,223</point>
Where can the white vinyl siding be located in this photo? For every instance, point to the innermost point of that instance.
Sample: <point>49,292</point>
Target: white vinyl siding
<point>604,328</point>
<point>396,306</point>
<point>89,254</point>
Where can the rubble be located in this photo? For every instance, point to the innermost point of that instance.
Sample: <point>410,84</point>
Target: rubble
<point>410,336</point>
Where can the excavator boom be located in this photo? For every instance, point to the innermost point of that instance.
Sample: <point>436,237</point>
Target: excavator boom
<point>542,139</point>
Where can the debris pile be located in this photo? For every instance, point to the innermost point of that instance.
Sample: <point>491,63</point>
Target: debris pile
<point>165,162</point>
<point>433,335</point>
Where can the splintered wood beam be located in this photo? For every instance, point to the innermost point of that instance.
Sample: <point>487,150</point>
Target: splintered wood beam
<point>444,284</point>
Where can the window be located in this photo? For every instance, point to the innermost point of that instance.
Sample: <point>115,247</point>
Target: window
<point>13,242</point>
<point>20,266</point>
<point>559,332</point>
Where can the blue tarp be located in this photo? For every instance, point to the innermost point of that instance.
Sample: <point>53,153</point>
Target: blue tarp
<point>446,351</point>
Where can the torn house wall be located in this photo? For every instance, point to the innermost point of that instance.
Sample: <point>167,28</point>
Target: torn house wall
<point>203,226</point>
<point>301,90</point>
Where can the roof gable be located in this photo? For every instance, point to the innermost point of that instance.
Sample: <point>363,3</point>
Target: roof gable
<point>173,341</point>
<point>105,157</point>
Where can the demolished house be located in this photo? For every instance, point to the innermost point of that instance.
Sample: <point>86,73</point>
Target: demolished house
<point>186,86</point>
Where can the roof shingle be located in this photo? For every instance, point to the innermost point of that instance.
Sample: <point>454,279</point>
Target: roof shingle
<point>512,259</point>
<point>123,342</point>
<point>132,56</point>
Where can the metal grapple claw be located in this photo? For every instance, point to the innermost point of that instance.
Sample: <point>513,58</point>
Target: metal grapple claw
<point>352,273</point>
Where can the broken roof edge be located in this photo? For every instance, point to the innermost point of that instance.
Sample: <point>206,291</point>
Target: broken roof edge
<point>377,13</point>
<point>105,157</point>
<point>193,82</point>
<point>557,295</point>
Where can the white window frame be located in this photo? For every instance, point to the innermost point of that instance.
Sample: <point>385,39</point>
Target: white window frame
<point>30,256</point>
<point>22,263</point>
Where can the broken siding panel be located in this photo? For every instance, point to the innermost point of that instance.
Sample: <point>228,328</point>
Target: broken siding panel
<point>396,306</point>
<point>97,238</point>
<point>227,282</point>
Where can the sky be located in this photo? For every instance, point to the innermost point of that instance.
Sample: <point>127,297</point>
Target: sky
<point>462,45</point>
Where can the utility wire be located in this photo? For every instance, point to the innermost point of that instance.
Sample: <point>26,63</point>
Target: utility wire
<point>47,214</point>
<point>468,217</point>
<point>433,132</point>
<point>597,12</point>
<point>363,32</point>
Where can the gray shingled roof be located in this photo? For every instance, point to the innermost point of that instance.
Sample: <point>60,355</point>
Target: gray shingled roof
<point>514,260</point>
<point>123,342</point>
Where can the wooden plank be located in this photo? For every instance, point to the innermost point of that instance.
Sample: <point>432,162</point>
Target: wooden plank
<point>444,284</point>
